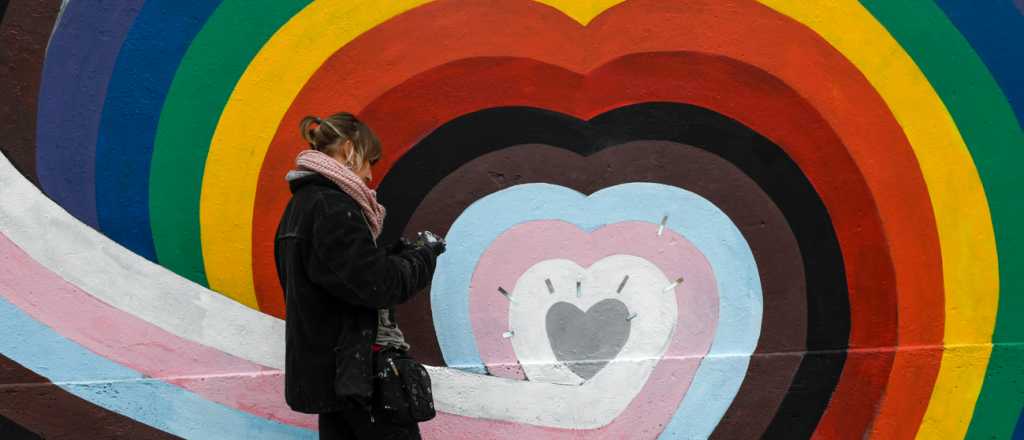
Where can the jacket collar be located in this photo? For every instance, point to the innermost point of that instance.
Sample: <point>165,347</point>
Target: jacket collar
<point>314,179</point>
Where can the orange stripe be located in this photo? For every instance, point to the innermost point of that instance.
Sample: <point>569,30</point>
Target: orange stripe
<point>847,101</point>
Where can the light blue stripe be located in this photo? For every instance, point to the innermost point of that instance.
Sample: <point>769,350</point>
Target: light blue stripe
<point>126,391</point>
<point>740,304</point>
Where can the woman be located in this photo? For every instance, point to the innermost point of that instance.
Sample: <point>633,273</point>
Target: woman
<point>339,285</point>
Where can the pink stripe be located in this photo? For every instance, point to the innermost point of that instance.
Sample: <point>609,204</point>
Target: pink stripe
<point>144,347</point>
<point>141,346</point>
<point>522,246</point>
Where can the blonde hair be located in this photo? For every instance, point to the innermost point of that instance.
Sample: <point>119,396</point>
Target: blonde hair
<point>328,135</point>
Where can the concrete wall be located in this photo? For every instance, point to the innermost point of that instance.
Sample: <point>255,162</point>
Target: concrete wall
<point>686,219</point>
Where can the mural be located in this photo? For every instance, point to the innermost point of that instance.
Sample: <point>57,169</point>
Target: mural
<point>688,219</point>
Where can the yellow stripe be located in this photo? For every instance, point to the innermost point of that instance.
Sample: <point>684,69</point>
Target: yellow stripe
<point>247,125</point>
<point>580,10</point>
<point>258,103</point>
<point>965,229</point>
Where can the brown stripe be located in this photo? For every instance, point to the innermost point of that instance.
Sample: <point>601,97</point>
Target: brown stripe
<point>24,33</point>
<point>775,248</point>
<point>37,405</point>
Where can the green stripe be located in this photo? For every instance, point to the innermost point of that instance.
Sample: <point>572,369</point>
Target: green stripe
<point>218,56</point>
<point>986,122</point>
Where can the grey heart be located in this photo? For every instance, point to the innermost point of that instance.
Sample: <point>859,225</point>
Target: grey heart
<point>586,341</point>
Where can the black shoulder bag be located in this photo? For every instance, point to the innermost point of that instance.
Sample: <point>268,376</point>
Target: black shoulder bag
<point>402,391</point>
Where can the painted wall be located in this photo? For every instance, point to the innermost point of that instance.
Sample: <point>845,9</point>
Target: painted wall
<point>688,219</point>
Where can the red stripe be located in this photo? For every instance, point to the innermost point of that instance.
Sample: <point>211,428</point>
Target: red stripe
<point>395,51</point>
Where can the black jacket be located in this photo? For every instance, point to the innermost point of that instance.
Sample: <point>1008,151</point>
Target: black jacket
<point>335,278</point>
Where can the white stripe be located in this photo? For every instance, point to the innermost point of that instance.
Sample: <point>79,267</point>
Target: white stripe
<point>119,277</point>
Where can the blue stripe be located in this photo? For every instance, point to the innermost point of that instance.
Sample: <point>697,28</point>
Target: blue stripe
<point>74,84</point>
<point>740,307</point>
<point>126,391</point>
<point>144,71</point>
<point>995,28</point>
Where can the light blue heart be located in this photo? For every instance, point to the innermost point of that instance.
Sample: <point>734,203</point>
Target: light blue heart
<point>740,299</point>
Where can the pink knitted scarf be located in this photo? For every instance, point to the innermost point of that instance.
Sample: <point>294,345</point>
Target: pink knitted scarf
<point>348,181</point>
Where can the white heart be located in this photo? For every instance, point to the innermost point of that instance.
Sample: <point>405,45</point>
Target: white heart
<point>644,294</point>
<point>554,396</point>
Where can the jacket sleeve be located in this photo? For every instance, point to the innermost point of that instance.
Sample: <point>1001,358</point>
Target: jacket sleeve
<point>350,266</point>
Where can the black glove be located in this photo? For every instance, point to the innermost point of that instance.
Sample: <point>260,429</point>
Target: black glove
<point>432,242</point>
<point>401,245</point>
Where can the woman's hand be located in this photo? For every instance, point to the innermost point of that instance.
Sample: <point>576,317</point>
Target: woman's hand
<point>430,241</point>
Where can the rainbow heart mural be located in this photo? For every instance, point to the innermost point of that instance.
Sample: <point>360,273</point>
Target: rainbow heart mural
<point>709,219</point>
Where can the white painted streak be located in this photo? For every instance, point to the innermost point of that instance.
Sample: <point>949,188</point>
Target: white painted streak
<point>122,279</point>
<point>590,405</point>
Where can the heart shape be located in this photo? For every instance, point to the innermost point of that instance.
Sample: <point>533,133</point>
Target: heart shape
<point>640,386</point>
<point>469,335</point>
<point>587,341</point>
<point>550,250</point>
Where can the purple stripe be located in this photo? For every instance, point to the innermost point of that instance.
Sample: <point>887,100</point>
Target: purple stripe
<point>78,66</point>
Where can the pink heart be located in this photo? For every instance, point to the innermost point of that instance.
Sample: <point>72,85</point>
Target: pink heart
<point>519,248</point>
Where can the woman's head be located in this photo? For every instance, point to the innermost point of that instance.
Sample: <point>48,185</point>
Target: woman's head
<point>345,138</point>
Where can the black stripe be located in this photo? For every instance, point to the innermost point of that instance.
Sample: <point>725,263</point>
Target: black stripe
<point>3,9</point>
<point>14,431</point>
<point>828,307</point>
<point>473,135</point>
